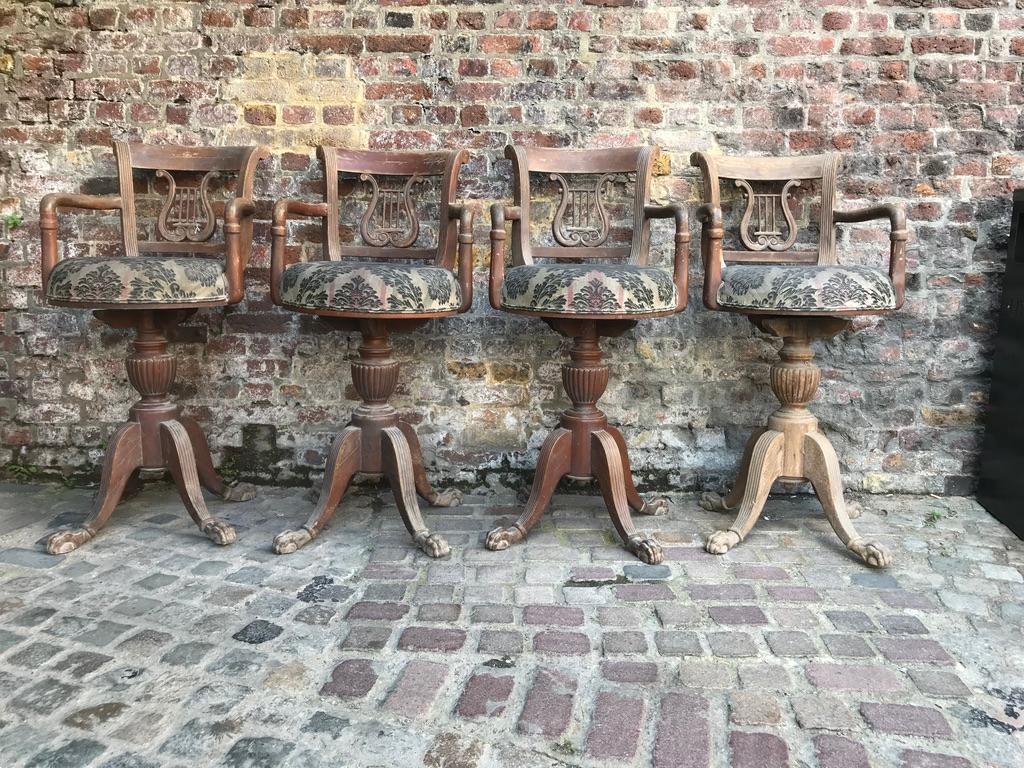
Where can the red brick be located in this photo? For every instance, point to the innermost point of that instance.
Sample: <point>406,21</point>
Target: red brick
<point>415,692</point>
<point>758,750</point>
<point>904,650</point>
<point>681,738</point>
<point>729,615</point>
<point>906,720</point>
<point>853,677</point>
<point>615,727</point>
<point>566,643</point>
<point>553,615</point>
<point>431,639</point>
<point>350,44</point>
<point>548,708</point>
<point>629,671</point>
<point>399,43</point>
<point>485,695</point>
<point>377,611</point>
<point>352,679</point>
<point>839,752</point>
<point>943,44</point>
<point>642,593</point>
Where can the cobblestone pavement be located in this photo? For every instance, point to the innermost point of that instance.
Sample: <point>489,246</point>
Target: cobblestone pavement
<point>153,647</point>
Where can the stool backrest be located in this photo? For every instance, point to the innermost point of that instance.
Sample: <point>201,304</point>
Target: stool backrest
<point>581,224</point>
<point>768,230</point>
<point>184,178</point>
<point>389,225</point>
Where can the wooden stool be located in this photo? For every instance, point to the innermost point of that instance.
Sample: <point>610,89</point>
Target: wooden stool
<point>800,296</point>
<point>586,301</point>
<point>185,270</point>
<point>362,288</point>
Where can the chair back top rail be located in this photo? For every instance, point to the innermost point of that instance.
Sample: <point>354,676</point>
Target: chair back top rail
<point>768,229</point>
<point>580,225</point>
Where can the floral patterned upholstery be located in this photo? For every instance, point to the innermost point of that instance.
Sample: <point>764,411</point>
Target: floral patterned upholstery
<point>805,288</point>
<point>590,289</point>
<point>356,286</point>
<point>137,280</point>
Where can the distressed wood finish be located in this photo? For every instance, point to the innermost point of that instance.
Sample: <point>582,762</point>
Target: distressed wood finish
<point>157,436</point>
<point>376,441</point>
<point>584,446</point>
<point>791,449</point>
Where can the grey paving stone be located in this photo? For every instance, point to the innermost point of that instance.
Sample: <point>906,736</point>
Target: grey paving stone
<point>670,643</point>
<point>29,558</point>
<point>74,754</point>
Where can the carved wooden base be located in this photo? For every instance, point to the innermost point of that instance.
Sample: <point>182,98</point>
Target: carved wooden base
<point>585,446</point>
<point>155,437</point>
<point>791,449</point>
<point>378,443</point>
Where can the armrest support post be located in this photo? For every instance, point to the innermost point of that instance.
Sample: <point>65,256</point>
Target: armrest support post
<point>897,239</point>
<point>465,216</point>
<point>711,235</point>
<point>681,252</point>
<point>279,232</point>
<point>48,222</point>
<point>499,212</point>
<point>238,244</point>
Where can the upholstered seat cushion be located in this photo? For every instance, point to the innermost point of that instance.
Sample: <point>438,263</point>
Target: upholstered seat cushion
<point>367,287</point>
<point>805,288</point>
<point>137,280</point>
<point>589,289</point>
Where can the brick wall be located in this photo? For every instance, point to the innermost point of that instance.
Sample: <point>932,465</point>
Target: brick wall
<point>923,97</point>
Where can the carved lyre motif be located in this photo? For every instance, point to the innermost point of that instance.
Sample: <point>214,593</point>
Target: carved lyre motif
<point>390,217</point>
<point>180,217</point>
<point>764,208</point>
<point>587,220</point>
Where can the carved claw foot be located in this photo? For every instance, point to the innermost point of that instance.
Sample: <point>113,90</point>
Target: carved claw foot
<point>450,498</point>
<point>720,542</point>
<point>62,542</point>
<point>289,541</point>
<point>645,548</point>
<point>219,532</point>
<point>432,544</point>
<point>713,502</point>
<point>240,492</point>
<point>872,554</point>
<point>502,538</point>
<point>655,505</point>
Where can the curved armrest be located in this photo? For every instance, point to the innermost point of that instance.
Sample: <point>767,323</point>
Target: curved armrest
<point>279,232</point>
<point>711,234</point>
<point>897,239</point>
<point>238,244</point>
<point>681,253</point>
<point>48,221</point>
<point>499,212</point>
<point>465,216</point>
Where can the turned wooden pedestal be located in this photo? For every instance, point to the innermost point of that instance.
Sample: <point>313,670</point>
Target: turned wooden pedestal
<point>157,436</point>
<point>585,446</point>
<point>791,449</point>
<point>375,442</point>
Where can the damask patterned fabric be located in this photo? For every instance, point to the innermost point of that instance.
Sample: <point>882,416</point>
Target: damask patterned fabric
<point>590,289</point>
<point>138,280</point>
<point>356,286</point>
<point>800,287</point>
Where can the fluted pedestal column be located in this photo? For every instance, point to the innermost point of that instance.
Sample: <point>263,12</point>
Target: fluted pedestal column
<point>375,442</point>
<point>586,447</point>
<point>157,436</point>
<point>792,448</point>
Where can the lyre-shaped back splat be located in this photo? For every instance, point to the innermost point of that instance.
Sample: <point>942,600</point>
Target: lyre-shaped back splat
<point>186,203</point>
<point>764,209</point>
<point>390,217</point>
<point>587,220</point>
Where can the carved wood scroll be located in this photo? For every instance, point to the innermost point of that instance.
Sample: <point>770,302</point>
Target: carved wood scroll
<point>764,209</point>
<point>581,218</point>
<point>187,213</point>
<point>390,218</point>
